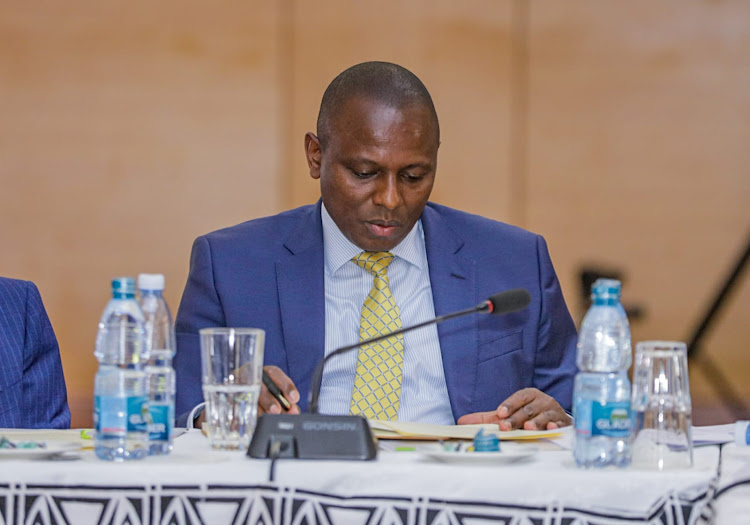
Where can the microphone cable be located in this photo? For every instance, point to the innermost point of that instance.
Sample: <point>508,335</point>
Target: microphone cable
<point>273,454</point>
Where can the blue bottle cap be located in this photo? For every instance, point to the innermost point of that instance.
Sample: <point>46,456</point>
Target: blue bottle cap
<point>123,287</point>
<point>606,291</point>
<point>606,287</point>
<point>486,442</point>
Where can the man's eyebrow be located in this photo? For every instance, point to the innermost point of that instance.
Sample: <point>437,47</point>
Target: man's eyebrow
<point>423,165</point>
<point>372,163</point>
<point>360,160</point>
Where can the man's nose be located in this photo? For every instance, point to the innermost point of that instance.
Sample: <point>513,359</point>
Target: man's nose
<point>387,192</point>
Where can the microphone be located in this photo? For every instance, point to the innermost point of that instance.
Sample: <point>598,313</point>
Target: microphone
<point>315,436</point>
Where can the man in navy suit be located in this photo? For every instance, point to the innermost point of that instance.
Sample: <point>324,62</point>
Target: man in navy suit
<point>32,386</point>
<point>375,155</point>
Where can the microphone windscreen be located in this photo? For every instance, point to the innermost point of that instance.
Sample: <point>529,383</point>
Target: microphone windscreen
<point>510,301</point>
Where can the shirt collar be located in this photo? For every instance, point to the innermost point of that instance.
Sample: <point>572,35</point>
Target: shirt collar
<point>339,250</point>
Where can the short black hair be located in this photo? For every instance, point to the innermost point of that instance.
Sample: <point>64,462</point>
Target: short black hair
<point>378,81</point>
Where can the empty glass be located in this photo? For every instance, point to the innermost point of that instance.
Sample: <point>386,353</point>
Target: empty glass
<point>661,406</point>
<point>232,360</point>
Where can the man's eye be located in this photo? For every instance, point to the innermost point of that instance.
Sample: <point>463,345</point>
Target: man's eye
<point>364,174</point>
<point>411,177</point>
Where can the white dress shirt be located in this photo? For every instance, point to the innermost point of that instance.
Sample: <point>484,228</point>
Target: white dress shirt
<point>424,395</point>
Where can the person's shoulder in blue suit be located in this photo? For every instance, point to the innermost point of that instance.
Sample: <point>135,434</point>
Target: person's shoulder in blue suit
<point>32,385</point>
<point>476,230</point>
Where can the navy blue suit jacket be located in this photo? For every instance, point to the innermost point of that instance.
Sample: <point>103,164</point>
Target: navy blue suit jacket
<point>32,386</point>
<point>268,273</point>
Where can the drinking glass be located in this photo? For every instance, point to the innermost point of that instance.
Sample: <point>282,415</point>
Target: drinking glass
<point>661,406</point>
<point>232,364</point>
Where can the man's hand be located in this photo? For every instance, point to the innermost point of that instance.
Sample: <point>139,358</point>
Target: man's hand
<point>267,403</point>
<point>530,409</point>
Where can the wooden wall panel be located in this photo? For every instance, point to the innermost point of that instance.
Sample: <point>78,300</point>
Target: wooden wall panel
<point>461,51</point>
<point>126,132</point>
<point>638,157</point>
<point>617,130</point>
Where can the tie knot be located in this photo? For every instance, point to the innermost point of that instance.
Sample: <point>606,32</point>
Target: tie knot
<point>374,262</point>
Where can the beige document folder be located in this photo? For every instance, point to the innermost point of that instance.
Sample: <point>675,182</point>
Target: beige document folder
<point>403,430</point>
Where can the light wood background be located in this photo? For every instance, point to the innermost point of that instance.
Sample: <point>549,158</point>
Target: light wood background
<point>619,130</point>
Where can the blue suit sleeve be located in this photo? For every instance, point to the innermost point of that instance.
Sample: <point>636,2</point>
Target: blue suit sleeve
<point>45,398</point>
<point>200,307</point>
<point>555,361</point>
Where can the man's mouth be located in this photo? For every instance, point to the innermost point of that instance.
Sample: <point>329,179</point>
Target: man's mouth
<point>382,228</point>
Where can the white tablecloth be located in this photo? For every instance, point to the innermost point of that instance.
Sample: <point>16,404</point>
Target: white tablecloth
<point>732,498</point>
<point>198,485</point>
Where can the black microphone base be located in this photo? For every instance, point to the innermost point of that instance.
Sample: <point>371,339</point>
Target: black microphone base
<point>312,436</point>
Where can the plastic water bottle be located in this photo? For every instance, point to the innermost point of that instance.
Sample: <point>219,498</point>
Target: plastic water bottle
<point>161,377</point>
<point>601,397</point>
<point>120,395</point>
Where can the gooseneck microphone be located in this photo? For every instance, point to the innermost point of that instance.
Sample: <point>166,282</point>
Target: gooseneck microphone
<point>315,436</point>
<point>499,303</point>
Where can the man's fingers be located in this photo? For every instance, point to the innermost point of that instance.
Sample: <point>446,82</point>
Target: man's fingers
<point>529,409</point>
<point>522,406</point>
<point>479,418</point>
<point>267,403</point>
<point>285,384</point>
<point>546,420</point>
<point>519,400</point>
<point>520,414</point>
<point>532,409</point>
<point>519,418</point>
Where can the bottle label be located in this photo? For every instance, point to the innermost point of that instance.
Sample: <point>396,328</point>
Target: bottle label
<point>118,415</point>
<point>162,419</point>
<point>609,419</point>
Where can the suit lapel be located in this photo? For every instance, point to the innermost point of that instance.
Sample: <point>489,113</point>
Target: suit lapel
<point>302,300</point>
<point>453,281</point>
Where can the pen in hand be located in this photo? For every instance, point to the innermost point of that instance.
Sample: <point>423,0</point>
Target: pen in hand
<point>276,392</point>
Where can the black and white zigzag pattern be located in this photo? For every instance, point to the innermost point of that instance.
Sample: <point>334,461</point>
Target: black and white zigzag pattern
<point>272,505</point>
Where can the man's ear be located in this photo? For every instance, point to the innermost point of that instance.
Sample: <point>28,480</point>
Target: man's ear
<point>313,154</point>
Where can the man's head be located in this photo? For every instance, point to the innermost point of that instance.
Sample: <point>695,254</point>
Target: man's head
<point>375,152</point>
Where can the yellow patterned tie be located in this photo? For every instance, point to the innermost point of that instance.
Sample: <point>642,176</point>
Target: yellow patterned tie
<point>377,384</point>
